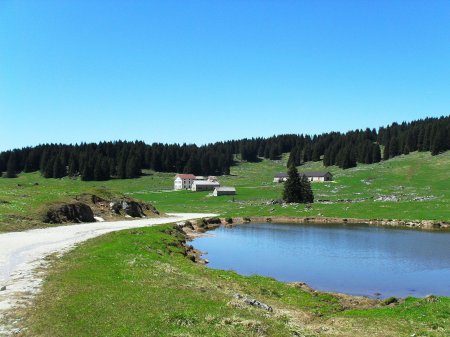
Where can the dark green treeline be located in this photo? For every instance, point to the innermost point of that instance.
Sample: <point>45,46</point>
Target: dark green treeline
<point>122,159</point>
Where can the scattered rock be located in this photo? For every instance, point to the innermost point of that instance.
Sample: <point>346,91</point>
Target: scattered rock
<point>392,198</point>
<point>302,285</point>
<point>275,202</point>
<point>425,198</point>
<point>96,199</point>
<point>99,219</point>
<point>431,298</point>
<point>3,288</point>
<point>253,302</point>
<point>131,208</point>
<point>74,212</point>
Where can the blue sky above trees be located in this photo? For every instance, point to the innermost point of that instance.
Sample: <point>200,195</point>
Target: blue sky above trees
<point>202,71</point>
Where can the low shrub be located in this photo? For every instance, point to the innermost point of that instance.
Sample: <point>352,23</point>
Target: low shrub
<point>229,220</point>
<point>390,300</point>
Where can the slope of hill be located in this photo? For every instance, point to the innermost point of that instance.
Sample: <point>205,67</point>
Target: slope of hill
<point>408,187</point>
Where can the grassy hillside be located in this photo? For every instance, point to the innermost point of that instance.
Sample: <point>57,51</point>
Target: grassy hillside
<point>409,178</point>
<point>139,283</point>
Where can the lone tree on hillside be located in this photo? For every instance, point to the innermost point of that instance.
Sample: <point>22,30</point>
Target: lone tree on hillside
<point>307,193</point>
<point>297,189</point>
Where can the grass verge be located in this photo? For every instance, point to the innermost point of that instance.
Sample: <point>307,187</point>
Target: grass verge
<point>139,282</point>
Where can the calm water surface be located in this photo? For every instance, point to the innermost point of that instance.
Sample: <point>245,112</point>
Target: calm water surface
<point>354,259</point>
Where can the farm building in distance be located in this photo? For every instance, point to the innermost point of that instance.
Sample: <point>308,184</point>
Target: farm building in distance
<point>183,181</point>
<point>280,177</point>
<point>218,191</point>
<point>318,176</point>
<point>204,185</point>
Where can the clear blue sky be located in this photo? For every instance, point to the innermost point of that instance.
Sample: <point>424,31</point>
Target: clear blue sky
<point>201,71</point>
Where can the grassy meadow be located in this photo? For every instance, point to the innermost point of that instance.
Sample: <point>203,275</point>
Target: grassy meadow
<point>138,283</point>
<point>409,178</point>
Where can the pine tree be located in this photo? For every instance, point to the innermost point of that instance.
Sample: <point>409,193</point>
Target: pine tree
<point>307,193</point>
<point>386,151</point>
<point>293,186</point>
<point>73,166</point>
<point>98,173</point>
<point>376,153</point>
<point>394,149</point>
<point>315,153</point>
<point>266,152</point>
<point>58,169</point>
<point>307,153</point>
<point>273,154</point>
<point>32,162</point>
<point>11,166</point>
<point>439,142</point>
<point>48,168</point>
<point>45,157</point>
<point>132,167</point>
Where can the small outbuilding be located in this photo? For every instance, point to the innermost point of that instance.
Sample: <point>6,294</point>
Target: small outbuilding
<point>224,190</point>
<point>318,176</point>
<point>280,177</point>
<point>204,185</point>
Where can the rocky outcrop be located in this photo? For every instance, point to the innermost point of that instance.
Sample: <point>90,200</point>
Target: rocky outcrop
<point>69,212</point>
<point>132,208</point>
<point>90,207</point>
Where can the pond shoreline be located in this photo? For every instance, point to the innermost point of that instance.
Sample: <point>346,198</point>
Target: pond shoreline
<point>194,230</point>
<point>418,224</point>
<point>200,228</point>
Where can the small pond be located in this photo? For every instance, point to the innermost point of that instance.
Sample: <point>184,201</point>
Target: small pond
<point>353,259</point>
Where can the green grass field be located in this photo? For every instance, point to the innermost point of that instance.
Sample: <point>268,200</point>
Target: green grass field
<point>138,283</point>
<point>407,177</point>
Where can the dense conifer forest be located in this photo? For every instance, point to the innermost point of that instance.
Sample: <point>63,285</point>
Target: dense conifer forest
<point>124,159</point>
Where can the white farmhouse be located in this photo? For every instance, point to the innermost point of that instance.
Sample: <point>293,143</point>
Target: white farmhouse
<point>183,181</point>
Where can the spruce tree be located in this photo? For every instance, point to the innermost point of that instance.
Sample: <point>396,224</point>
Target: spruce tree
<point>48,168</point>
<point>293,186</point>
<point>439,142</point>
<point>386,151</point>
<point>315,154</point>
<point>59,169</point>
<point>307,193</point>
<point>376,153</point>
<point>11,166</point>
<point>73,165</point>
<point>98,173</point>
<point>394,149</point>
